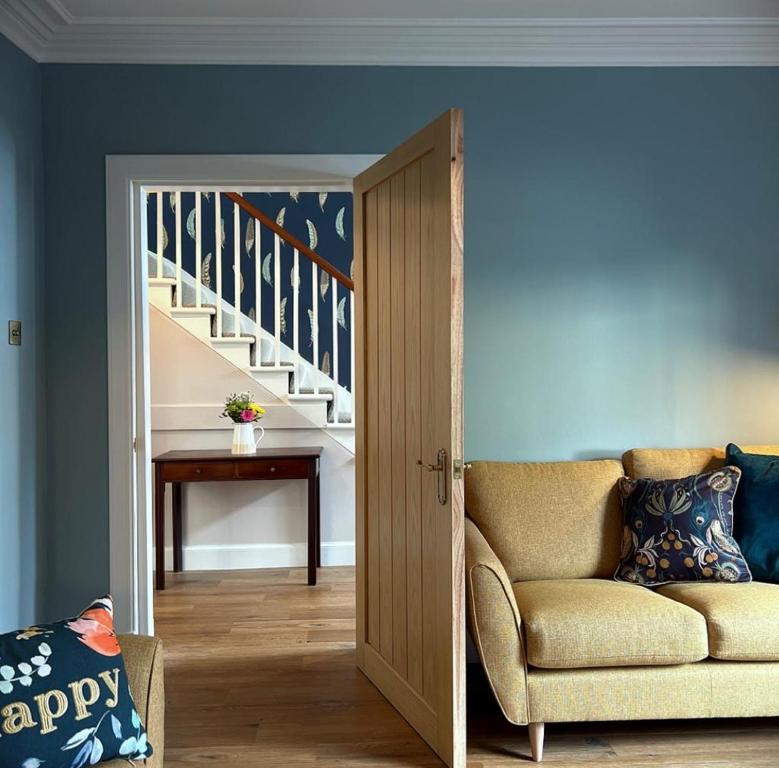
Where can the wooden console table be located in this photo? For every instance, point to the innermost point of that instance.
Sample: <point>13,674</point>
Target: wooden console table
<point>177,467</point>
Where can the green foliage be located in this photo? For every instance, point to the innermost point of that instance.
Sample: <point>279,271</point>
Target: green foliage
<point>242,409</point>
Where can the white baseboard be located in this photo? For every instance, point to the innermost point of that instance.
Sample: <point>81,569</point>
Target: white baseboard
<point>206,557</point>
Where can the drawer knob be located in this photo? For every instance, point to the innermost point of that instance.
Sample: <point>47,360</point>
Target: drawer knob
<point>198,470</point>
<point>273,469</point>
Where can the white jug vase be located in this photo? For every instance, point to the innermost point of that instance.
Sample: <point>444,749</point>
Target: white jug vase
<point>243,438</point>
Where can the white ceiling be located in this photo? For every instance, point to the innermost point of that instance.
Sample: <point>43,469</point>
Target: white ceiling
<point>398,32</point>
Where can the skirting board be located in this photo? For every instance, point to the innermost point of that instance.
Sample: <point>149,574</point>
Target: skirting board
<point>206,557</point>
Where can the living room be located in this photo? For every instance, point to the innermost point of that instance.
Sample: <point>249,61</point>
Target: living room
<point>619,289</point>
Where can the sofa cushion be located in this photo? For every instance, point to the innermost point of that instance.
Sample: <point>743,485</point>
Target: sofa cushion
<point>757,511</point>
<point>571,623</point>
<point>681,530</point>
<point>668,463</point>
<point>558,520</point>
<point>742,619</point>
<point>65,696</point>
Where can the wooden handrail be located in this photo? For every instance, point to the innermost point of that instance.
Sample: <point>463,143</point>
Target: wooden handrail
<point>301,247</point>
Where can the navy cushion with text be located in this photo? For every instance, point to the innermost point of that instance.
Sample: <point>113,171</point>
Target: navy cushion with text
<point>64,697</point>
<point>757,511</point>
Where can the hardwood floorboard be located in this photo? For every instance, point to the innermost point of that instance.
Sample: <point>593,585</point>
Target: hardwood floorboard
<point>260,672</point>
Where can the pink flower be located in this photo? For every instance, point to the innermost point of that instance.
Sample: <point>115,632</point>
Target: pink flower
<point>247,415</point>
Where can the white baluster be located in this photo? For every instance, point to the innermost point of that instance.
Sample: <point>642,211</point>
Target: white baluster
<point>315,323</point>
<point>218,261</point>
<point>295,320</point>
<point>277,297</point>
<point>160,271</point>
<point>334,285</point>
<point>258,290</point>
<point>351,356</point>
<point>198,253</point>
<point>177,235</point>
<point>237,267</point>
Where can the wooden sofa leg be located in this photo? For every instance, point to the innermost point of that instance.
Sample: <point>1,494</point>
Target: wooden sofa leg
<point>536,733</point>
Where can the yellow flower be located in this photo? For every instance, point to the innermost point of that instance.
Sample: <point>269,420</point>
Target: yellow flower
<point>257,408</point>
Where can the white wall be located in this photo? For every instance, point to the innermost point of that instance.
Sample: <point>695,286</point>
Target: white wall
<point>240,524</point>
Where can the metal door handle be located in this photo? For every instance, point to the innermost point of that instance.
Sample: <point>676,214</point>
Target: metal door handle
<point>440,467</point>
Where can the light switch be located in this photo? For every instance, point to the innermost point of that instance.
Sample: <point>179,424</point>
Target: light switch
<point>15,332</point>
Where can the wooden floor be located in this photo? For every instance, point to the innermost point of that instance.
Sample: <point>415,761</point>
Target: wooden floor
<point>260,674</point>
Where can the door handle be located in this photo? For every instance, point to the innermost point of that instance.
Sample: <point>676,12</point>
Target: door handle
<point>439,467</point>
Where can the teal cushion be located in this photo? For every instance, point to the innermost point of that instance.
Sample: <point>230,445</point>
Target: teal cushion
<point>756,511</point>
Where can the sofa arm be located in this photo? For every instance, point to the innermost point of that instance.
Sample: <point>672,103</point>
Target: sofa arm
<point>143,661</point>
<point>494,623</point>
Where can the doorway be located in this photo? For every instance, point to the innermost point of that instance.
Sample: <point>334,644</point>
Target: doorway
<point>130,487</point>
<point>408,212</point>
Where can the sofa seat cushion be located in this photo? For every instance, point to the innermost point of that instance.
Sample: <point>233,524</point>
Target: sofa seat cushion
<point>573,623</point>
<point>742,619</point>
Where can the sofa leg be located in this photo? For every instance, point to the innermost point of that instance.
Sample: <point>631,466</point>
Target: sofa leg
<point>536,733</point>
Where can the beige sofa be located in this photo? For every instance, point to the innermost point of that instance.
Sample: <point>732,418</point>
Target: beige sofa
<point>143,661</point>
<point>561,641</point>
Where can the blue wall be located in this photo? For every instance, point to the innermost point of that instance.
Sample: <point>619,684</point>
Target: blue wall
<point>622,248</point>
<point>22,416</point>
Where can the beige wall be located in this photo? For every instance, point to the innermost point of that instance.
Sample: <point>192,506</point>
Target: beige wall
<point>247,524</point>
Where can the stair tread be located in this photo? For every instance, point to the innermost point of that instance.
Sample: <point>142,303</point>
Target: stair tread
<point>209,309</point>
<point>246,336</point>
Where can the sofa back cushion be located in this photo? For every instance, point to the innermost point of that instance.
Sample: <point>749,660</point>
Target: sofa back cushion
<point>673,463</point>
<point>557,520</point>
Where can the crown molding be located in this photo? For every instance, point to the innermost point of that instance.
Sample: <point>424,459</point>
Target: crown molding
<point>49,33</point>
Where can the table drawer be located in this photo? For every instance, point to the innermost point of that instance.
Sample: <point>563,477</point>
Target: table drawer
<point>184,471</point>
<point>272,469</point>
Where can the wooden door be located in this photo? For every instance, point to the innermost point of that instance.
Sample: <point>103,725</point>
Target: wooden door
<point>410,572</point>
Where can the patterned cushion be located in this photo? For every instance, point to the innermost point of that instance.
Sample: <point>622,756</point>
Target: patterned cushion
<point>64,696</point>
<point>680,530</point>
<point>575,623</point>
<point>742,619</point>
<point>757,512</point>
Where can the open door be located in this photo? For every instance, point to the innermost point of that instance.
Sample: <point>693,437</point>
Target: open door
<point>408,245</point>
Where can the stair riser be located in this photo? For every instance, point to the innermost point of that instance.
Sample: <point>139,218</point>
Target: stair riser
<point>161,297</point>
<point>197,326</point>
<point>238,353</point>
<point>276,382</point>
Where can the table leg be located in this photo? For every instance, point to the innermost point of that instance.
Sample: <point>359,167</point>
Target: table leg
<point>177,538</point>
<point>159,527</point>
<point>312,523</point>
<point>318,522</point>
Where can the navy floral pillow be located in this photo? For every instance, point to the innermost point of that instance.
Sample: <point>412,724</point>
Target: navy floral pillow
<point>680,530</point>
<point>64,697</point>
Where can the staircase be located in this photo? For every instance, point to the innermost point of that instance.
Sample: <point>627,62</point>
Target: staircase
<point>254,312</point>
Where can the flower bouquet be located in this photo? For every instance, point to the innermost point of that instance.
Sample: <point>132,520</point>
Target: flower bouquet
<point>243,412</point>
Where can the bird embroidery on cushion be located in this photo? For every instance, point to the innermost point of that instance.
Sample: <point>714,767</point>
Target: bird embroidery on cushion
<point>95,626</point>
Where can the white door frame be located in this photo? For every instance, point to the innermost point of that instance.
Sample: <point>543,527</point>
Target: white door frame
<point>129,420</point>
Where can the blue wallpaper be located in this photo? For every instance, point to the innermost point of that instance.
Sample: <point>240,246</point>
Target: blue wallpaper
<point>322,220</point>
<point>22,405</point>
<point>621,248</point>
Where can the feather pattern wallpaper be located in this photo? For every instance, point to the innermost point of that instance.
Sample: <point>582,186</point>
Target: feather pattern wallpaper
<point>323,220</point>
